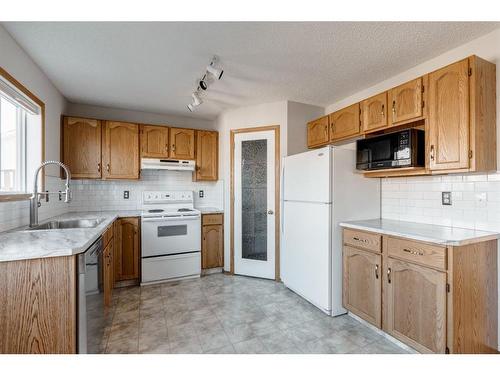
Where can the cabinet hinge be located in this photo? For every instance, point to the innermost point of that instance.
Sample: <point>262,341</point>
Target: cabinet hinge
<point>423,103</point>
<point>447,288</point>
<point>470,72</point>
<point>423,89</point>
<point>447,350</point>
<point>470,154</point>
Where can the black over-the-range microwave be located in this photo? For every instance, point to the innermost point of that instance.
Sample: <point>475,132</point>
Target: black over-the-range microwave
<point>402,149</point>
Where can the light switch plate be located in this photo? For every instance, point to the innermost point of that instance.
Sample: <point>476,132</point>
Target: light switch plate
<point>446,198</point>
<point>126,194</point>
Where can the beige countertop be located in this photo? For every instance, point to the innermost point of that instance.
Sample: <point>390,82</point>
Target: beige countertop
<point>437,234</point>
<point>210,210</point>
<point>21,243</point>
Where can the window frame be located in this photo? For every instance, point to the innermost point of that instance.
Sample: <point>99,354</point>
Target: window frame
<point>8,197</point>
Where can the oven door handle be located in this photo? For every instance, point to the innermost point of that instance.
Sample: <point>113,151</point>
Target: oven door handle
<point>176,218</point>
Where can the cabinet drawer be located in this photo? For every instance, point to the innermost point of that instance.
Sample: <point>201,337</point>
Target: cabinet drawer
<point>107,235</point>
<point>363,240</point>
<point>417,252</point>
<point>212,219</point>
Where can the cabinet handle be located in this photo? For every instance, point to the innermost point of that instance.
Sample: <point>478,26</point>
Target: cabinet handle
<point>166,147</point>
<point>332,127</point>
<point>359,240</point>
<point>393,108</point>
<point>173,147</point>
<point>432,152</point>
<point>413,252</point>
<point>376,271</point>
<point>98,167</point>
<point>107,167</point>
<point>389,275</point>
<point>383,110</point>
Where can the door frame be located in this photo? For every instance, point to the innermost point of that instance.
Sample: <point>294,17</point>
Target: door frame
<point>277,170</point>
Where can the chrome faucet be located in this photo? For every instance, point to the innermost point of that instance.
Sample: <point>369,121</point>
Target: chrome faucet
<point>35,198</point>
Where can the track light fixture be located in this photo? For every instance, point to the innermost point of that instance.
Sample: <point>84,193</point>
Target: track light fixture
<point>212,72</point>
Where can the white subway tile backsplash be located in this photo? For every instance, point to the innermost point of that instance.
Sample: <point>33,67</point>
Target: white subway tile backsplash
<point>475,200</point>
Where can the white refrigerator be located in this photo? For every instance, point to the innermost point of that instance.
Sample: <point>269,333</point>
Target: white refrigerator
<point>320,189</point>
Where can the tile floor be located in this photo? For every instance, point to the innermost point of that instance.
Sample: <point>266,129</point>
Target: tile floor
<point>230,314</point>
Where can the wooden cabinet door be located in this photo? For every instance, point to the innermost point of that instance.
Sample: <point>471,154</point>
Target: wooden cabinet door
<point>82,147</point>
<point>108,277</point>
<point>374,112</point>
<point>415,303</point>
<point>345,123</point>
<point>154,141</point>
<point>181,143</point>
<point>406,101</point>
<point>212,253</point>
<point>449,117</point>
<point>126,249</point>
<point>317,132</point>
<point>120,150</point>
<point>207,156</point>
<point>362,286</point>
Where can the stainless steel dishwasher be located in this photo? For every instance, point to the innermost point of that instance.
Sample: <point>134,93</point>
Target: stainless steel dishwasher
<point>92,317</point>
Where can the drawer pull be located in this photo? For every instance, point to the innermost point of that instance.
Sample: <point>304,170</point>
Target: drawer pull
<point>376,271</point>
<point>414,252</point>
<point>359,239</point>
<point>389,275</point>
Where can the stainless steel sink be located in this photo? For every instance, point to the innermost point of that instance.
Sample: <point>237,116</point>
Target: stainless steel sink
<point>68,224</point>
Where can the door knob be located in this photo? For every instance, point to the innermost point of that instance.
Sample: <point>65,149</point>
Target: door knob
<point>270,212</point>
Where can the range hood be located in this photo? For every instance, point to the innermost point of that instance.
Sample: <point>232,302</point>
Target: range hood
<point>169,164</point>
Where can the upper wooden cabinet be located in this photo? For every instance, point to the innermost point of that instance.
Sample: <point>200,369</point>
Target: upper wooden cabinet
<point>462,117</point>
<point>120,151</point>
<point>82,147</point>
<point>374,113</point>
<point>317,132</point>
<point>181,143</point>
<point>345,123</point>
<point>154,141</point>
<point>406,102</point>
<point>207,156</point>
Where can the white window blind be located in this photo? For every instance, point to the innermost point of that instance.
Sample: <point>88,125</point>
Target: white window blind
<point>18,98</point>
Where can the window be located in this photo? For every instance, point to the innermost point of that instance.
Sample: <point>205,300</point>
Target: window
<point>20,137</point>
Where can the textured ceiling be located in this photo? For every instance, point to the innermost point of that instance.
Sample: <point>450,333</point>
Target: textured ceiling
<point>153,66</point>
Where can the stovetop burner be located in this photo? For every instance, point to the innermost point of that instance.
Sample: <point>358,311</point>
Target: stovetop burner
<point>184,210</point>
<point>156,210</point>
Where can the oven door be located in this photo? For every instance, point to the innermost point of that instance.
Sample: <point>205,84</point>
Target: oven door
<point>170,235</point>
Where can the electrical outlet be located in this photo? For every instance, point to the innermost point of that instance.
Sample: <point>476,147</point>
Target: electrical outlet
<point>446,198</point>
<point>201,193</point>
<point>126,194</point>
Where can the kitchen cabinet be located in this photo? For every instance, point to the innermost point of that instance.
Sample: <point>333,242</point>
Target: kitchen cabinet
<point>182,143</point>
<point>363,284</point>
<point>462,117</point>
<point>81,150</point>
<point>434,298</point>
<point>207,156</point>
<point>374,113</point>
<point>39,307</point>
<point>126,251</point>
<point>212,244</point>
<point>345,123</point>
<point>108,265</point>
<point>318,132</point>
<point>407,102</point>
<point>120,150</point>
<point>154,141</point>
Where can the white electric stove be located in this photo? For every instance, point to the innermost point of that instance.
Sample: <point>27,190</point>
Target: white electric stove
<point>170,236</point>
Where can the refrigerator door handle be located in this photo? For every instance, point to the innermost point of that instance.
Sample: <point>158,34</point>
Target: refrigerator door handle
<point>282,203</point>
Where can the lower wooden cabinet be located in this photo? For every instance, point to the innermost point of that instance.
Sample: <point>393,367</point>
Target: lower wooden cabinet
<point>415,303</point>
<point>212,244</point>
<point>363,284</point>
<point>126,251</point>
<point>433,298</point>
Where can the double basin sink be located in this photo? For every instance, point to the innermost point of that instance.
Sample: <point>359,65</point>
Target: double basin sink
<point>69,224</point>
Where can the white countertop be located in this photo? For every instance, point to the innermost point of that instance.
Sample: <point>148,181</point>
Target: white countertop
<point>437,234</point>
<point>210,210</point>
<point>20,243</point>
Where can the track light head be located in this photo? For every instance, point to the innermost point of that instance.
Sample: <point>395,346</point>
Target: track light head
<point>190,107</point>
<point>217,73</point>
<point>202,84</point>
<point>196,99</point>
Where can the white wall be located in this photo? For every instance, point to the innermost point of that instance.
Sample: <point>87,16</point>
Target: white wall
<point>17,63</point>
<point>476,197</point>
<point>245,117</point>
<point>298,115</point>
<point>118,114</point>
